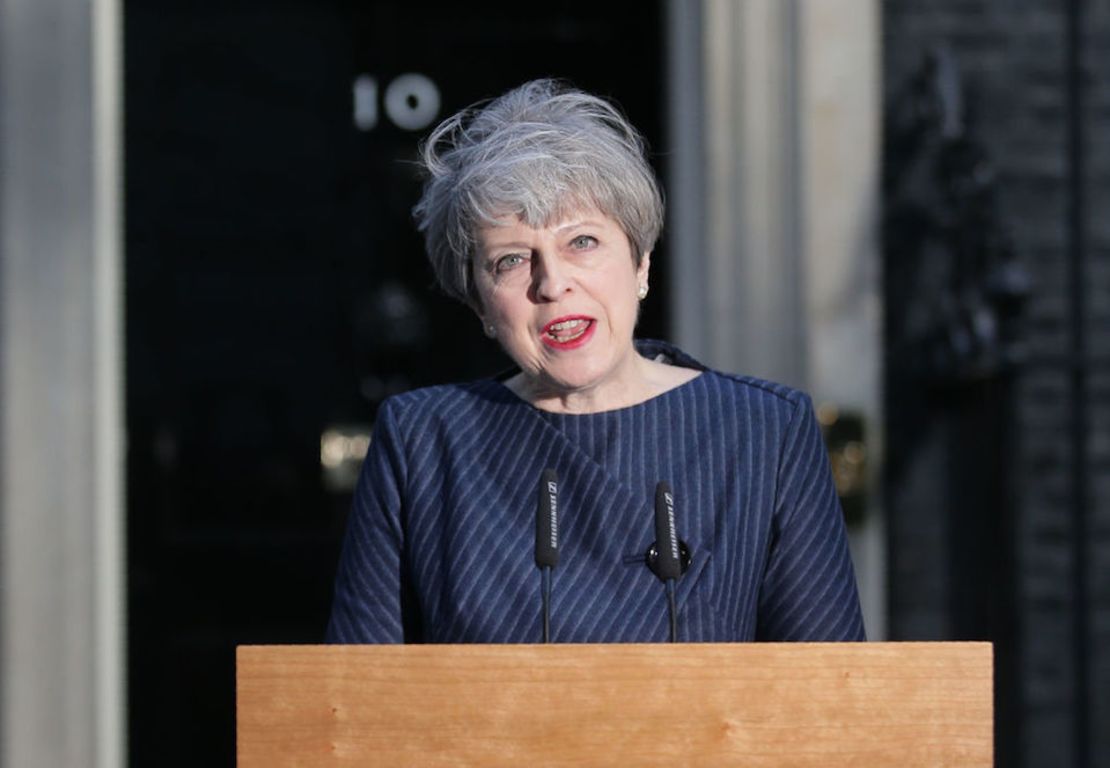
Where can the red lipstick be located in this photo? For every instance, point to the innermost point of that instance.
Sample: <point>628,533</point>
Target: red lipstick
<point>568,332</point>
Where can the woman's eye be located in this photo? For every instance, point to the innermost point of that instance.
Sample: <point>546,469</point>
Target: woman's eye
<point>508,262</point>
<point>583,241</point>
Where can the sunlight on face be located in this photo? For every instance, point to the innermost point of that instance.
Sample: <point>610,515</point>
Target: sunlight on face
<point>562,300</point>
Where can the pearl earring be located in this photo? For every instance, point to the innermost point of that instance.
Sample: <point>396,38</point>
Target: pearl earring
<point>643,292</point>
<point>491,331</point>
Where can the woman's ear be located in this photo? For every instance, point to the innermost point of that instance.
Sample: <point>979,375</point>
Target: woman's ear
<point>642,271</point>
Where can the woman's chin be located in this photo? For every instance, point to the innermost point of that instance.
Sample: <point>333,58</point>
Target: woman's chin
<point>601,373</point>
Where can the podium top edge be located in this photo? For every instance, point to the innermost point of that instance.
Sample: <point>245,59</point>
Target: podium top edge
<point>632,647</point>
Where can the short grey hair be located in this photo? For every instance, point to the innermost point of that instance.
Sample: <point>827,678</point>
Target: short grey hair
<point>538,152</point>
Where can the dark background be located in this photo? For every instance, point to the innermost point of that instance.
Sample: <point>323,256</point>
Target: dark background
<point>996,262</point>
<point>276,287</point>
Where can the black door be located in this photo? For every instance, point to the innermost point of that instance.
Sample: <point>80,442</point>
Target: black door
<point>276,290</point>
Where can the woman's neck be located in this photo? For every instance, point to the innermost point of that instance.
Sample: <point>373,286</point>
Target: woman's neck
<point>646,380</point>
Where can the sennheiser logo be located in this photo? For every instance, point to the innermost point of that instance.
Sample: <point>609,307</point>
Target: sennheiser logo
<point>668,499</point>
<point>553,512</point>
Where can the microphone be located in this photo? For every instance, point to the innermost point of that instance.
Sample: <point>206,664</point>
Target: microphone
<point>668,557</point>
<point>668,564</point>
<point>547,539</point>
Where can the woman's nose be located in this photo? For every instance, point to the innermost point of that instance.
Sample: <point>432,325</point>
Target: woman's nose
<point>550,278</point>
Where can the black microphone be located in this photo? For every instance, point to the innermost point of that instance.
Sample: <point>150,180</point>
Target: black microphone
<point>668,557</point>
<point>668,564</point>
<point>547,521</point>
<point>547,539</point>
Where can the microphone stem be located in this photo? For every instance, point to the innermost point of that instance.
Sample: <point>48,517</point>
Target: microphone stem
<point>547,604</point>
<point>672,610</point>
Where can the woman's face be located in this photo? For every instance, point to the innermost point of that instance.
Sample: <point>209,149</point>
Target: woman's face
<point>562,300</point>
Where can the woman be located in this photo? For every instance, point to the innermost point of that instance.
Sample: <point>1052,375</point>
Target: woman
<point>540,212</point>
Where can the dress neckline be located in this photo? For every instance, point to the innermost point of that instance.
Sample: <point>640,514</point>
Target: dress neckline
<point>659,351</point>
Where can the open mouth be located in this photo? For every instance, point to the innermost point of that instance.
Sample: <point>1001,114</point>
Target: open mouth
<point>567,332</point>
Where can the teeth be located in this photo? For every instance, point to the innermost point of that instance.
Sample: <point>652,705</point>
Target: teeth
<point>565,325</point>
<point>568,330</point>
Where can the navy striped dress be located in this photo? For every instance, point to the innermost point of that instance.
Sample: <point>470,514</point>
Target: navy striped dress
<point>440,542</point>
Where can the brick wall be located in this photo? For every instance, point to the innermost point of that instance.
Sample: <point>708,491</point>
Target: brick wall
<point>1097,118</point>
<point>1012,56</point>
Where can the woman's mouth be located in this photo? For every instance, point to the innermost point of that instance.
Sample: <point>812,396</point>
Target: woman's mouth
<point>568,332</point>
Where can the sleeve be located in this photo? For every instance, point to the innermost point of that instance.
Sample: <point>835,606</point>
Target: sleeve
<point>809,588</point>
<point>368,602</point>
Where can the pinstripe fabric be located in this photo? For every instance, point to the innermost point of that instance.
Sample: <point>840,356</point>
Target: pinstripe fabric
<point>439,546</point>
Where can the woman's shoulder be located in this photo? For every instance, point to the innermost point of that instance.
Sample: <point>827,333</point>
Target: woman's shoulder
<point>755,390</point>
<point>764,389</point>
<point>452,399</point>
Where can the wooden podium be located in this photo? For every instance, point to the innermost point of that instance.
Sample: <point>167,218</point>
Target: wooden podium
<point>819,704</point>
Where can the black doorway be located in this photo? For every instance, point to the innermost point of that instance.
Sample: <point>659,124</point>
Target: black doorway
<point>275,288</point>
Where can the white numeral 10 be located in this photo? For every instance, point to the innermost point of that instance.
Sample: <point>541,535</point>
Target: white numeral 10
<point>411,102</point>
